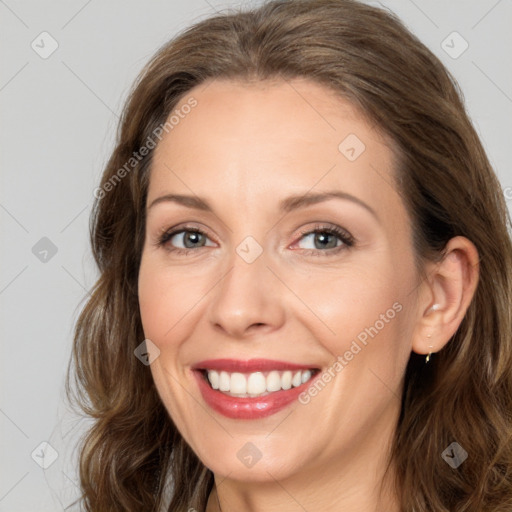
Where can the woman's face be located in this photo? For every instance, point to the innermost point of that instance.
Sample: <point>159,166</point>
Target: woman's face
<point>235,280</point>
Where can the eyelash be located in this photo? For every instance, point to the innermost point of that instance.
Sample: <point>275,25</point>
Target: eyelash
<point>346,238</point>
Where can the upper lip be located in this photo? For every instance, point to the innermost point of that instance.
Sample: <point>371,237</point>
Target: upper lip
<point>249,366</point>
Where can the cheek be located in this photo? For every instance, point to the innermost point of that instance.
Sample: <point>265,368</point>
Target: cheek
<point>166,297</point>
<point>151,301</point>
<point>366,325</point>
<point>166,301</point>
<point>359,304</point>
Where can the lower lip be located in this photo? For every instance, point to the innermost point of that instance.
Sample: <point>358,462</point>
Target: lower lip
<point>248,408</point>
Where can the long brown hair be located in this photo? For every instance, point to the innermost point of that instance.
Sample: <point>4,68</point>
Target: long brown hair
<point>367,56</point>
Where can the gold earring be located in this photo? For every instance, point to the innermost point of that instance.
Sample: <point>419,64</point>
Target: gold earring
<point>427,359</point>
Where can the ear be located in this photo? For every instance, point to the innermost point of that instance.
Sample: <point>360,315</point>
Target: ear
<point>445,295</point>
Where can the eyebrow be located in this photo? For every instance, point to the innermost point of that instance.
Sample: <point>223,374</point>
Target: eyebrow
<point>285,206</point>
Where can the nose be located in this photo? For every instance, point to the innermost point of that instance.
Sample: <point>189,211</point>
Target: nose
<point>247,300</point>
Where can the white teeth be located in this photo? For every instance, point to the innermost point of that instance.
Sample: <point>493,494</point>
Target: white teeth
<point>273,381</point>
<point>214,379</point>
<point>238,384</point>
<point>256,384</point>
<point>286,380</point>
<point>305,376</point>
<point>224,381</point>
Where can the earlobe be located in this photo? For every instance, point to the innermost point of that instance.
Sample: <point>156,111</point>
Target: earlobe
<point>445,296</point>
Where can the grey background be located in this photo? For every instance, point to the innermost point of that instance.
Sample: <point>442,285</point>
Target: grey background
<point>57,126</point>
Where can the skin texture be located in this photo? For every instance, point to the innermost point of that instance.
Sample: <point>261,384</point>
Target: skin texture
<point>244,148</point>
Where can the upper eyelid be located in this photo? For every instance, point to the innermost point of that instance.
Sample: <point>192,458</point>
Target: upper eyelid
<point>317,227</point>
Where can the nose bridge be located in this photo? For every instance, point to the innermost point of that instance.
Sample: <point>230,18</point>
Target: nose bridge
<point>247,294</point>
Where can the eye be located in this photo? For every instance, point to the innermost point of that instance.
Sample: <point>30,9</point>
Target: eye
<point>184,239</point>
<point>325,239</point>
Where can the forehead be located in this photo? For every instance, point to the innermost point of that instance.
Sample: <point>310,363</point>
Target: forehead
<point>254,141</point>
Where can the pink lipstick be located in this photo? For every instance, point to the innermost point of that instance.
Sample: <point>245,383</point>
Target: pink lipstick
<point>251,389</point>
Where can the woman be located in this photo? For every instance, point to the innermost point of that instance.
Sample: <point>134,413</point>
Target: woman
<point>304,299</point>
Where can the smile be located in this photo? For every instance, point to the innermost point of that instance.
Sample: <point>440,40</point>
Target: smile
<point>257,383</point>
<point>251,389</point>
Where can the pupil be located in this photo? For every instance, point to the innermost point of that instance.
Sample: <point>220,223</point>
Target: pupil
<point>190,237</point>
<point>323,238</point>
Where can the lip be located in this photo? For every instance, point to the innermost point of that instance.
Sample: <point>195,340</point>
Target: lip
<point>248,408</point>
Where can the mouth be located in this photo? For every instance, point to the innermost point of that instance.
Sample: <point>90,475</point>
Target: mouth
<point>251,389</point>
<point>256,384</point>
